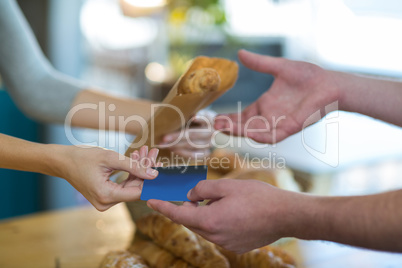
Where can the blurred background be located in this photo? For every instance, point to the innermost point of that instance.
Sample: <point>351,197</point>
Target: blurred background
<point>138,48</point>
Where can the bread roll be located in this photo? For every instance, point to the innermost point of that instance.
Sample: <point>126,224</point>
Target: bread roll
<point>213,175</point>
<point>264,175</point>
<point>156,256</point>
<point>265,257</point>
<point>223,162</point>
<point>181,242</point>
<point>122,259</point>
<point>201,80</point>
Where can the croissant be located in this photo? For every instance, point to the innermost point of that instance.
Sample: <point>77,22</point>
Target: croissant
<point>122,259</point>
<point>224,161</point>
<point>201,80</point>
<point>156,256</point>
<point>181,242</point>
<point>265,257</point>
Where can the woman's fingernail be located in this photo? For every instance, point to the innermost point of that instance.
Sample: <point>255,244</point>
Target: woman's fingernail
<point>152,172</point>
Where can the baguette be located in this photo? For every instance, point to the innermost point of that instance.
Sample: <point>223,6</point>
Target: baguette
<point>265,257</point>
<point>201,80</point>
<point>122,259</point>
<point>264,175</point>
<point>181,242</point>
<point>155,256</point>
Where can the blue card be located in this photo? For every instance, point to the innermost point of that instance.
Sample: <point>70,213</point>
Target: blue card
<point>173,183</point>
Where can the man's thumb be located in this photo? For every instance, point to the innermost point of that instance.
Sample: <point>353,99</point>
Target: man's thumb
<point>260,63</point>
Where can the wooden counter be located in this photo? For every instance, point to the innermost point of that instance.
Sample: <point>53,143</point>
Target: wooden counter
<point>68,238</point>
<point>78,238</point>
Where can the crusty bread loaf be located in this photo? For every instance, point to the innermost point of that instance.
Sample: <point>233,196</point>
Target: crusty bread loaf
<point>181,242</point>
<point>201,80</point>
<point>155,256</point>
<point>227,164</point>
<point>223,162</point>
<point>122,259</point>
<point>265,175</point>
<point>265,257</point>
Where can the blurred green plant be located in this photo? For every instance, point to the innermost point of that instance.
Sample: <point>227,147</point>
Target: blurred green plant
<point>202,12</point>
<point>203,3</point>
<point>179,62</point>
<point>191,18</point>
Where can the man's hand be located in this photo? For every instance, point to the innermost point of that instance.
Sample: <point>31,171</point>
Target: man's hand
<point>89,171</point>
<point>300,89</point>
<point>241,216</point>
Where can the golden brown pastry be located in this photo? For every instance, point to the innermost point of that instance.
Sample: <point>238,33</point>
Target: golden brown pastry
<point>122,259</point>
<point>265,257</point>
<point>155,256</point>
<point>213,175</point>
<point>223,162</point>
<point>264,175</point>
<point>181,242</point>
<point>228,164</point>
<point>201,80</point>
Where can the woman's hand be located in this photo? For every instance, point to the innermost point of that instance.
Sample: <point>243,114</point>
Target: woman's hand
<point>194,141</point>
<point>89,170</point>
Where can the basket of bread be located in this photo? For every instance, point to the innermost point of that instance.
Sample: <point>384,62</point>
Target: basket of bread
<point>167,244</point>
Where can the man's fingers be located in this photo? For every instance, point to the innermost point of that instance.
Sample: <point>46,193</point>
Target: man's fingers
<point>271,137</point>
<point>260,63</point>
<point>185,215</point>
<point>214,189</point>
<point>231,125</point>
<point>226,122</point>
<point>249,120</point>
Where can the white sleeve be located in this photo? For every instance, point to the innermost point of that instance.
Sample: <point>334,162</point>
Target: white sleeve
<point>36,87</point>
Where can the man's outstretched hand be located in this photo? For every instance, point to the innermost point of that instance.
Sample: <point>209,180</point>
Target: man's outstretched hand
<point>300,89</point>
